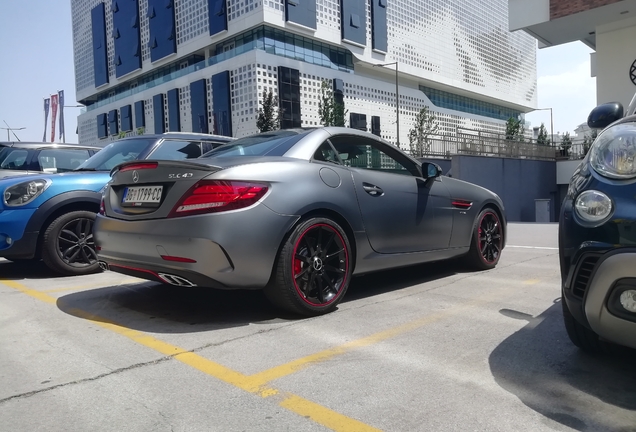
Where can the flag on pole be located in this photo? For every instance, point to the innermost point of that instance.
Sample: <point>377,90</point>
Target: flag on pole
<point>54,103</point>
<point>60,95</point>
<point>47,101</point>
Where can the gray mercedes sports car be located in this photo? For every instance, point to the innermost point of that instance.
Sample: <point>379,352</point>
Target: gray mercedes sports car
<point>294,212</point>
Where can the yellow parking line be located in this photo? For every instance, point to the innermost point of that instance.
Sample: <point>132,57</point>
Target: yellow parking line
<point>318,413</point>
<point>256,383</point>
<point>264,377</point>
<point>324,416</point>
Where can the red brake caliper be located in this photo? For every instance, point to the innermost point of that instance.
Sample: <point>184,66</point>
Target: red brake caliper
<point>298,266</point>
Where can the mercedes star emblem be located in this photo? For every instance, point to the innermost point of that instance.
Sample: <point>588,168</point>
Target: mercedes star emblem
<point>135,176</point>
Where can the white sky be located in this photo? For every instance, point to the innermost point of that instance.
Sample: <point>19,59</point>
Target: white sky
<point>564,84</point>
<point>37,55</point>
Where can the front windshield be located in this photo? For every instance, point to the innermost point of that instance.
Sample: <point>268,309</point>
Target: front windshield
<point>266,143</point>
<point>13,159</point>
<point>115,153</point>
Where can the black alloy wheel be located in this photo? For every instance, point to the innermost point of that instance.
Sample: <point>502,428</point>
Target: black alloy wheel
<point>320,264</point>
<point>313,269</point>
<point>487,241</point>
<point>75,243</point>
<point>490,238</point>
<point>68,244</point>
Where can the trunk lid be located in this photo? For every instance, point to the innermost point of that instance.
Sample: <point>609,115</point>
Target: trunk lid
<point>151,189</point>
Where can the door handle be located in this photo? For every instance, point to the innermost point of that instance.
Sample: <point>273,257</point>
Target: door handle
<point>372,190</point>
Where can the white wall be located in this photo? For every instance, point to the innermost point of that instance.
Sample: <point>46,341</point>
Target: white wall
<point>615,53</point>
<point>526,13</point>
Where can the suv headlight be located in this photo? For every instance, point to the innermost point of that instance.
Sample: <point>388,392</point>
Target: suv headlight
<point>613,154</point>
<point>25,192</point>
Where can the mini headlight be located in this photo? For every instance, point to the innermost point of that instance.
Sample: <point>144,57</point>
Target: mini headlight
<point>593,206</point>
<point>614,152</point>
<point>25,192</point>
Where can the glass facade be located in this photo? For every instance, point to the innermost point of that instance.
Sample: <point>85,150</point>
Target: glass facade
<point>263,38</point>
<point>443,99</point>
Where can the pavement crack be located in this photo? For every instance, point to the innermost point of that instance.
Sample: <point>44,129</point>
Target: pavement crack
<point>85,380</point>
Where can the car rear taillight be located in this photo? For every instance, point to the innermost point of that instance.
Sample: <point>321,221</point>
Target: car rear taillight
<point>139,166</point>
<point>213,196</point>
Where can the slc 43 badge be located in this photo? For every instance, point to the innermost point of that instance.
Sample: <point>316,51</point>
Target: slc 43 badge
<point>180,175</point>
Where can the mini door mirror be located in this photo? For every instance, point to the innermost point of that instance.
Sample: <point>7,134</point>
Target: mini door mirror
<point>604,115</point>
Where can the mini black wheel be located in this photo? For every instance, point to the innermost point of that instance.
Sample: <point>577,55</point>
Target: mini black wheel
<point>313,269</point>
<point>68,246</point>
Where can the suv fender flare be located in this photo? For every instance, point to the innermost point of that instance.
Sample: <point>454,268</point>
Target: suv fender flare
<point>52,205</point>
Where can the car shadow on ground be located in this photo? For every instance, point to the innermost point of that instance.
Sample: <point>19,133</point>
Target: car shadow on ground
<point>157,308</point>
<point>540,366</point>
<point>21,270</point>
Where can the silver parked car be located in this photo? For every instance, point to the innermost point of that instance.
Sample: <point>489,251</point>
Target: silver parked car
<point>294,212</point>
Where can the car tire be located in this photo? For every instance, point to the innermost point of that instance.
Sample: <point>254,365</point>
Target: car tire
<point>313,268</point>
<point>486,242</point>
<point>68,247</point>
<point>580,335</point>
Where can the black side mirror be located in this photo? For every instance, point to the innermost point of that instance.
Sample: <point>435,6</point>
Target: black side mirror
<point>604,115</point>
<point>431,170</point>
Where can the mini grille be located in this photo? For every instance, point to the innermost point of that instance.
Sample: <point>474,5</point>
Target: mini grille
<point>583,275</point>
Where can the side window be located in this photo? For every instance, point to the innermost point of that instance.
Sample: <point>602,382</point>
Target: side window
<point>15,160</point>
<point>176,150</point>
<point>326,153</point>
<point>365,153</point>
<point>60,160</point>
<point>207,146</point>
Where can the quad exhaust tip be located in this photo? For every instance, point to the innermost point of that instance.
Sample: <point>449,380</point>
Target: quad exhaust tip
<point>176,280</point>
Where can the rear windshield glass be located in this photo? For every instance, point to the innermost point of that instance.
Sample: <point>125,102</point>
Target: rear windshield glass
<point>115,153</point>
<point>263,144</point>
<point>176,150</point>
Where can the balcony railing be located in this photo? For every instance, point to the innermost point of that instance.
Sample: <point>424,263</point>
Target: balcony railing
<point>477,143</point>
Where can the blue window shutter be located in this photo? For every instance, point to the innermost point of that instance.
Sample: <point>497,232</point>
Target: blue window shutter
<point>219,7</point>
<point>355,20</point>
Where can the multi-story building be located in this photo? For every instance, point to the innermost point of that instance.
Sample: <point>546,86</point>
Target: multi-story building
<point>606,26</point>
<point>203,65</point>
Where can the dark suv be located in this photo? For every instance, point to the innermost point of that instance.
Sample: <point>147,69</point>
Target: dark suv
<point>17,158</point>
<point>597,236</point>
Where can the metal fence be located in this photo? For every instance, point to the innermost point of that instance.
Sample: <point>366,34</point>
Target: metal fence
<point>478,143</point>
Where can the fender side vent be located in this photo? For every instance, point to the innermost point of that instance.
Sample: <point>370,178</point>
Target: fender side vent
<point>584,275</point>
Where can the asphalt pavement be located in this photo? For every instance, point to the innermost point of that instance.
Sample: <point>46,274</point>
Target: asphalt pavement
<point>427,348</point>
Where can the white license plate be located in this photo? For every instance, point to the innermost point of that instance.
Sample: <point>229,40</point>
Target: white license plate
<point>139,195</point>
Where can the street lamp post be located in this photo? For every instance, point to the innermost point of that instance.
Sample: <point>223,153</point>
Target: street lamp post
<point>397,99</point>
<point>551,122</point>
<point>10,130</point>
